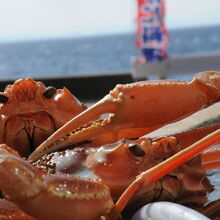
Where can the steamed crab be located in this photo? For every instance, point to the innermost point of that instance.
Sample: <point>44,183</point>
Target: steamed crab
<point>133,111</point>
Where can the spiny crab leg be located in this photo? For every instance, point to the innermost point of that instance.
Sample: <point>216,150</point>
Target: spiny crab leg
<point>144,105</point>
<point>150,176</point>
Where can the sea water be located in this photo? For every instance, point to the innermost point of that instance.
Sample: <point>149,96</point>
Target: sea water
<point>93,55</point>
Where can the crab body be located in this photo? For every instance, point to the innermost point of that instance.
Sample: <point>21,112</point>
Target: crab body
<point>31,112</point>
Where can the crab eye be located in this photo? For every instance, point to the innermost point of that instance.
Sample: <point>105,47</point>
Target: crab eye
<point>136,150</point>
<point>50,91</point>
<point>3,98</point>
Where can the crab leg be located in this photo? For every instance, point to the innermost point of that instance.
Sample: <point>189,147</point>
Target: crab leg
<point>211,158</point>
<point>57,197</point>
<point>134,110</point>
<point>155,173</point>
<point>211,209</point>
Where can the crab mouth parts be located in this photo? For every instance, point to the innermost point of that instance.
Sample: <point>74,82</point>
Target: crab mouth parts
<point>31,128</point>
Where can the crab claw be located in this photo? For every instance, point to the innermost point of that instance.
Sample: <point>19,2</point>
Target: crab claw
<point>56,196</point>
<point>136,109</point>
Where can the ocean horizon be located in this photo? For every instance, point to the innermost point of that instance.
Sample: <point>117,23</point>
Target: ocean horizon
<point>104,54</point>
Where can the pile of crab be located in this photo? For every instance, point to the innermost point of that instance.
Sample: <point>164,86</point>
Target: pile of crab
<point>61,160</point>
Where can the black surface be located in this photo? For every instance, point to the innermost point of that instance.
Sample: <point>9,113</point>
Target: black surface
<point>84,88</point>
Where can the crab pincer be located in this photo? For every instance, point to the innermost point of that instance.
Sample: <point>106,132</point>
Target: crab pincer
<point>133,110</point>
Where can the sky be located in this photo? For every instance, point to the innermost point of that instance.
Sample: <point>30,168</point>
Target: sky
<point>26,19</point>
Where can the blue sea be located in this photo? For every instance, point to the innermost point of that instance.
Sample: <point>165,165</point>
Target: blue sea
<point>93,55</point>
